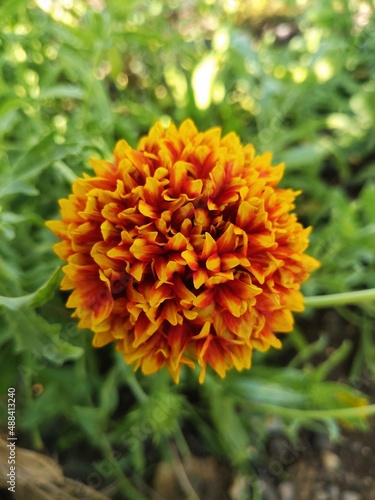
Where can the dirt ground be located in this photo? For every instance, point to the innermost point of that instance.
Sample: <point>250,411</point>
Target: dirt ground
<point>336,472</point>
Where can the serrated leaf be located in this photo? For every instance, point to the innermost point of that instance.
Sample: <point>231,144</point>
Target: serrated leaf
<point>30,164</point>
<point>35,299</point>
<point>47,291</point>
<point>32,333</point>
<point>61,352</point>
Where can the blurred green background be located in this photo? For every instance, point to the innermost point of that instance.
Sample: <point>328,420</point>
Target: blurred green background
<point>296,77</point>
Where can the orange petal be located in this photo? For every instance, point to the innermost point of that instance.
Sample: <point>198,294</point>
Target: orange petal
<point>191,259</point>
<point>170,312</point>
<point>178,174</point>
<point>204,299</point>
<point>186,296</point>
<point>213,263</point>
<point>58,227</point>
<point>199,278</point>
<point>102,168</point>
<point>177,243</point>
<point>144,252</point>
<point>227,241</point>
<point>227,299</point>
<point>209,246</point>
<point>137,269</point>
<point>102,338</point>
<point>143,329</point>
<point>205,330</point>
<point>147,210</point>
<point>281,321</point>
<point>160,294</point>
<point>193,188</point>
<point>229,261</point>
<point>243,290</point>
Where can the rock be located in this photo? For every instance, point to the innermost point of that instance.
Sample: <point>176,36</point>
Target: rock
<point>239,488</point>
<point>287,491</point>
<point>351,495</point>
<point>330,460</point>
<point>268,491</point>
<point>39,477</point>
<point>199,477</point>
<point>366,451</point>
<point>334,492</point>
<point>321,495</point>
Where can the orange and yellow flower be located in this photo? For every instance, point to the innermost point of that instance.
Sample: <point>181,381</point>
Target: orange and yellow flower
<point>184,250</point>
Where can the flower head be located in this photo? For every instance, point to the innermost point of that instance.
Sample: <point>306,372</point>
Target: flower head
<point>184,250</point>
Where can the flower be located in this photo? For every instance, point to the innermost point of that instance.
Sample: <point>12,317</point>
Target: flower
<point>184,250</point>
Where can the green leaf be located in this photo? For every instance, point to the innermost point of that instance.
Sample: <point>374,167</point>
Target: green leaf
<point>30,164</point>
<point>296,394</point>
<point>37,298</point>
<point>10,6</point>
<point>303,157</point>
<point>62,92</point>
<point>233,436</point>
<point>367,202</point>
<point>60,352</point>
<point>16,303</point>
<point>109,393</point>
<point>33,334</point>
<point>91,422</point>
<point>271,390</point>
<point>46,292</point>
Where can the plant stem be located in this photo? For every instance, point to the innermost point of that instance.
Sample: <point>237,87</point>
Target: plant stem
<point>340,413</point>
<point>181,474</point>
<point>125,484</point>
<point>136,388</point>
<point>181,443</point>
<point>340,299</point>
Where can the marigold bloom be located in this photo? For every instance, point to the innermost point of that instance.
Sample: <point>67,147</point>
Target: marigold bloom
<point>184,250</point>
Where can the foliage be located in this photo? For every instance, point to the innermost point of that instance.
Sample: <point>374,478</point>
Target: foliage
<point>297,79</point>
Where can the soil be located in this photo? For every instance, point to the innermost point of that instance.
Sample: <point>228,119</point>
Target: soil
<point>345,471</point>
<point>337,471</point>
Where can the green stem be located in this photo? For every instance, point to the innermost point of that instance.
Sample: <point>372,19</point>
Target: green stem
<point>339,413</point>
<point>136,388</point>
<point>181,443</point>
<point>340,299</point>
<point>126,486</point>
